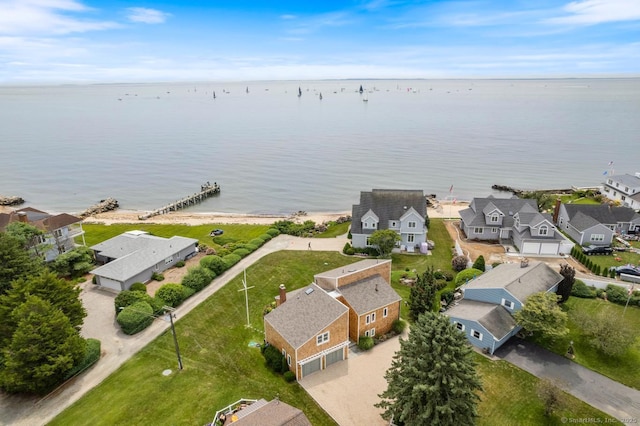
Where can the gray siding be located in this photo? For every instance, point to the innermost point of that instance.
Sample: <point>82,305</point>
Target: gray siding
<point>598,229</point>
<point>489,341</point>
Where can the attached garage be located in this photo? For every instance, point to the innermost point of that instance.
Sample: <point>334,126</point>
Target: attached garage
<point>333,357</point>
<point>109,283</point>
<point>311,367</point>
<point>540,248</point>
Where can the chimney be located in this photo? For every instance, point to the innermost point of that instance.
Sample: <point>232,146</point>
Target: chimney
<point>283,295</point>
<point>556,211</point>
<point>22,217</point>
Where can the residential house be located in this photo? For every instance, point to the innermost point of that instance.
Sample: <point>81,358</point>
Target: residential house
<point>623,188</point>
<point>59,231</point>
<point>485,313</point>
<point>135,256</point>
<point>250,412</point>
<point>590,224</point>
<point>403,211</point>
<point>313,326</point>
<point>516,221</point>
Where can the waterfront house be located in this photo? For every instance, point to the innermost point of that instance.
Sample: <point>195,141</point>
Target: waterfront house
<point>623,188</point>
<point>134,256</point>
<point>59,231</point>
<point>314,326</point>
<point>250,412</point>
<point>513,221</point>
<point>403,211</point>
<point>485,312</point>
<point>589,224</point>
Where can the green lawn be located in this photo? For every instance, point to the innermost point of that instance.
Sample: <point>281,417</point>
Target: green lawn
<point>335,230</point>
<point>608,261</point>
<point>509,398</point>
<point>575,199</point>
<point>624,369</point>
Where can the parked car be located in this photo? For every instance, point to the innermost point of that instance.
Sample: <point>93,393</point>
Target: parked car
<point>597,250</point>
<point>216,232</point>
<point>629,270</point>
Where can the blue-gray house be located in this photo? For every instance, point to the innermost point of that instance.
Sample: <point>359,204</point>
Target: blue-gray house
<point>485,313</point>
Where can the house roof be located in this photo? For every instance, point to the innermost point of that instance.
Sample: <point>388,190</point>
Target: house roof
<point>369,294</point>
<point>519,281</point>
<point>351,268</point>
<point>475,214</point>
<point>135,253</point>
<point>305,313</point>
<point>41,220</point>
<point>272,413</point>
<point>627,180</point>
<point>495,318</point>
<point>387,204</point>
<point>600,213</point>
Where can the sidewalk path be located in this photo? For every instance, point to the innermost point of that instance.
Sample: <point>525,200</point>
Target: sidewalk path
<point>118,347</point>
<point>620,401</point>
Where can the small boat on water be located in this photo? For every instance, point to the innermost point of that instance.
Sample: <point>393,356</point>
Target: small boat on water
<point>299,92</point>
<point>320,96</point>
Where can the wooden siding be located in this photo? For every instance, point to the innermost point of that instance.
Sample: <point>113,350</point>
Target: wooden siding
<point>338,333</point>
<point>276,340</point>
<point>383,268</point>
<point>382,325</point>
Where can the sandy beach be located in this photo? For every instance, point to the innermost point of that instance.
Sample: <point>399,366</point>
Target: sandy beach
<point>191,218</point>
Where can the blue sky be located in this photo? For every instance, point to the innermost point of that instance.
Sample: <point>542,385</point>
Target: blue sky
<point>75,41</point>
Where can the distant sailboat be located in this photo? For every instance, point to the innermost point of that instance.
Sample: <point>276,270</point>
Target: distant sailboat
<point>320,95</point>
<point>214,94</point>
<point>361,90</point>
<point>247,89</point>
<point>299,92</point>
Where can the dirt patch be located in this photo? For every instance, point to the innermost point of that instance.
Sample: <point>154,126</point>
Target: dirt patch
<point>173,275</point>
<point>474,249</point>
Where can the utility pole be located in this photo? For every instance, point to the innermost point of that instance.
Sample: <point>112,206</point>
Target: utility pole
<point>246,295</point>
<point>169,310</point>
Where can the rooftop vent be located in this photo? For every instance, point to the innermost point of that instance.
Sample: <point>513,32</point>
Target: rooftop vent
<point>308,291</point>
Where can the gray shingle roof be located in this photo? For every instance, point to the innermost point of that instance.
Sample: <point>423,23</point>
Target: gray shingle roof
<point>495,318</point>
<point>387,204</point>
<point>627,180</point>
<point>369,294</point>
<point>521,282</point>
<point>474,215</point>
<point>581,221</point>
<point>136,253</point>
<point>305,314</point>
<point>272,413</point>
<point>602,213</point>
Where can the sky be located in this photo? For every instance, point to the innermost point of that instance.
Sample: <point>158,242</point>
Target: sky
<point>86,41</point>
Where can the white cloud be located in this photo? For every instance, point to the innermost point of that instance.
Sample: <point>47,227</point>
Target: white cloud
<point>288,17</point>
<point>147,16</point>
<point>589,12</point>
<point>23,17</point>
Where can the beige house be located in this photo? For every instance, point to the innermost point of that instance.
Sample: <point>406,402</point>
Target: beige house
<point>313,326</point>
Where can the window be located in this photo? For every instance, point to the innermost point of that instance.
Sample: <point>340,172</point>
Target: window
<point>168,260</point>
<point>626,189</point>
<point>372,332</point>
<point>476,334</point>
<point>494,218</point>
<point>494,230</point>
<point>410,238</point>
<point>394,224</point>
<point>284,352</point>
<point>609,181</point>
<point>289,360</point>
<point>368,243</point>
<point>57,233</point>
<point>322,338</point>
<point>478,230</point>
<point>411,224</point>
<point>373,317</point>
<point>370,318</point>
<point>624,198</point>
<point>385,312</point>
<point>460,326</point>
<point>597,237</point>
<point>507,303</point>
<point>544,230</point>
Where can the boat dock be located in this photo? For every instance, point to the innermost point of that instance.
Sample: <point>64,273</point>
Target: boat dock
<point>206,190</point>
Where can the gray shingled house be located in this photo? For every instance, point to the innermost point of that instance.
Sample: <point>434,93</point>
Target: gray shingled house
<point>403,211</point>
<point>135,255</point>
<point>623,188</point>
<point>516,221</point>
<point>596,224</point>
<point>485,312</point>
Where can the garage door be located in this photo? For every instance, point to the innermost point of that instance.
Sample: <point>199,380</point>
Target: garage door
<point>335,356</point>
<point>549,248</point>
<point>112,284</point>
<point>310,367</point>
<point>531,248</point>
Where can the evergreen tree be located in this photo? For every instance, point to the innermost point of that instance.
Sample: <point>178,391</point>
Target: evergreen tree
<point>422,294</point>
<point>15,261</point>
<point>432,379</point>
<point>479,263</point>
<point>542,314</point>
<point>566,285</point>
<point>44,346</point>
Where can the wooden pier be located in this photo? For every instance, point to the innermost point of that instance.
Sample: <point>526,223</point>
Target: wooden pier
<point>206,190</point>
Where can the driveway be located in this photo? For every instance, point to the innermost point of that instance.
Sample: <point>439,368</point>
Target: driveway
<point>609,396</point>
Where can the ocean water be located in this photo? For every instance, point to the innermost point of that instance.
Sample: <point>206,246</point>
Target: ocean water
<point>64,148</point>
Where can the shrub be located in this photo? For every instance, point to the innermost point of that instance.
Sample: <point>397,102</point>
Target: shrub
<point>198,278</point>
<point>346,247</point>
<point>440,284</point>
<point>129,297</point>
<point>479,263</point>
<point>241,252</point>
<point>580,289</point>
<point>173,294</point>
<point>274,359</point>
<point>467,275</point>
<point>273,232</point>
<point>399,326</point>
<point>138,287</point>
<point>365,343</point>
<point>135,318</point>
<point>350,251</point>
<point>257,242</point>
<point>157,276</point>
<point>265,237</point>
<point>447,296</point>
<point>231,259</point>
<point>180,263</point>
<point>459,263</point>
<point>91,356</point>
<point>250,247</point>
<point>289,376</point>
<point>617,294</point>
<point>94,279</point>
<point>214,263</point>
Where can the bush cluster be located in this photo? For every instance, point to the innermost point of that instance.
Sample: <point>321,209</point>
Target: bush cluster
<point>174,294</point>
<point>399,326</point>
<point>180,263</point>
<point>91,356</point>
<point>365,343</point>
<point>459,263</point>
<point>274,359</point>
<point>443,275</point>
<point>135,318</point>
<point>580,289</point>
<point>214,263</point>
<point>156,276</point>
<point>289,376</point>
<point>231,259</point>
<point>198,278</point>
<point>289,227</point>
<point>467,275</point>
<point>138,287</point>
<point>129,297</point>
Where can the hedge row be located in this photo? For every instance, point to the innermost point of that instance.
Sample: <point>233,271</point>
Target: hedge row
<point>613,293</point>
<point>578,254</point>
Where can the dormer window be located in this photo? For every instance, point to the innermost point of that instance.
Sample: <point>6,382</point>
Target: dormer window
<point>494,218</point>
<point>544,230</point>
<point>411,224</point>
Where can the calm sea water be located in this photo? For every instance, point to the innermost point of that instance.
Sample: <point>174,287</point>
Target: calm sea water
<point>64,148</point>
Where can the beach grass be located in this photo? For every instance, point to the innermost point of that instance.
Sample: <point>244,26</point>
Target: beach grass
<point>625,368</point>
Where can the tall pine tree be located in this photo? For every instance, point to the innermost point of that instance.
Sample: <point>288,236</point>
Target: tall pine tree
<point>432,379</point>
<point>15,261</point>
<point>422,294</point>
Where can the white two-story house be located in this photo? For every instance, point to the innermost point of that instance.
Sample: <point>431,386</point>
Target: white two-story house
<point>623,188</point>
<point>403,211</point>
